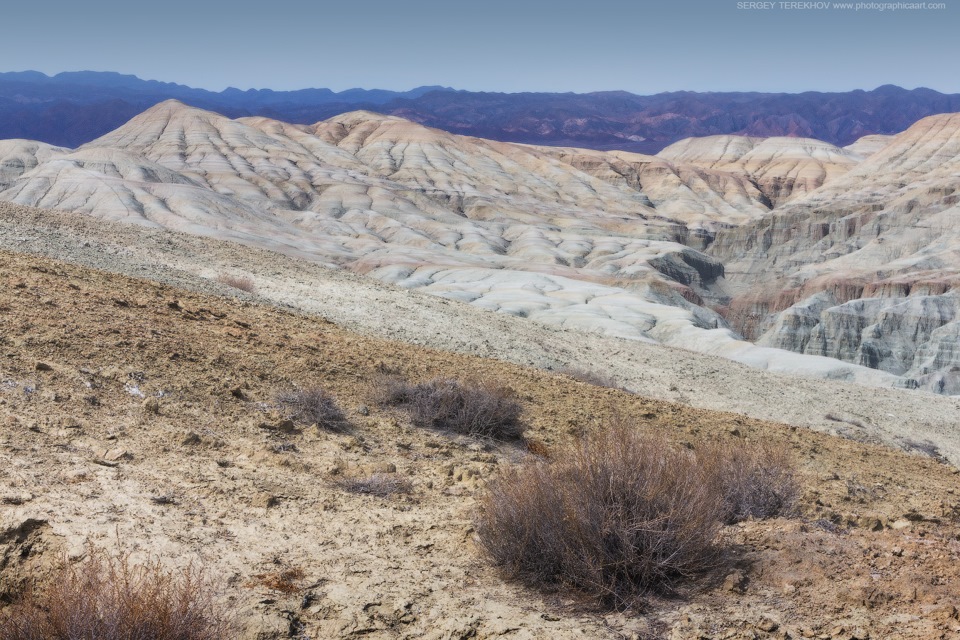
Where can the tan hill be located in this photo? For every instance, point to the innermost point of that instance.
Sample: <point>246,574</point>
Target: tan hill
<point>869,145</point>
<point>136,419</point>
<point>704,199</point>
<point>865,268</point>
<point>504,227</point>
<point>782,168</point>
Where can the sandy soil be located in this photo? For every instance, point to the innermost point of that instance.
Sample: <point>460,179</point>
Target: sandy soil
<point>135,416</point>
<point>912,420</point>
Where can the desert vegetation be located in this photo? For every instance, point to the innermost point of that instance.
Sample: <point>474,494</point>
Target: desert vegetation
<point>623,513</point>
<point>480,409</point>
<point>312,406</point>
<point>757,481</point>
<point>222,472</point>
<point>111,599</point>
<point>381,485</point>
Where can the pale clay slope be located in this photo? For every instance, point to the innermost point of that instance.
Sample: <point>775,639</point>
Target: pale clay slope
<point>895,417</point>
<point>873,259</point>
<point>784,169</point>
<point>704,199</point>
<point>20,156</point>
<point>869,145</point>
<point>504,227</point>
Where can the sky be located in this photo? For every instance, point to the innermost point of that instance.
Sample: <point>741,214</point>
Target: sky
<point>493,45</point>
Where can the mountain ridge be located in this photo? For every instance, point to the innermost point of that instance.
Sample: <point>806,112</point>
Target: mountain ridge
<point>73,108</point>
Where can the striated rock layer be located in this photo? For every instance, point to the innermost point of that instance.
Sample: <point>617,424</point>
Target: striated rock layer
<point>782,169</point>
<point>865,268</point>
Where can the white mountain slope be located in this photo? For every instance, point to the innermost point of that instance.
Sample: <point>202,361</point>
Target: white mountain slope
<point>505,227</point>
<point>783,169</point>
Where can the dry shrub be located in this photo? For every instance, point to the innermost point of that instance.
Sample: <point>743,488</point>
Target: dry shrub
<point>757,481</point>
<point>622,513</point>
<point>617,515</point>
<point>378,484</point>
<point>285,581</point>
<point>388,390</point>
<point>479,409</point>
<point>113,600</point>
<point>243,283</point>
<point>538,448</point>
<point>313,406</point>
<point>590,377</point>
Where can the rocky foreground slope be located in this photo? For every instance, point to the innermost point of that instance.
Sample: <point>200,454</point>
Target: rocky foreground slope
<point>136,417</point>
<point>594,242</point>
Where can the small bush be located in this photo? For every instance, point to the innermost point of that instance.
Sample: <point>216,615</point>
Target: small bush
<point>477,409</point>
<point>285,581</point>
<point>757,481</point>
<point>243,283</point>
<point>388,390</point>
<point>621,514</point>
<point>379,484</point>
<point>312,406</point>
<point>618,515</point>
<point>113,600</point>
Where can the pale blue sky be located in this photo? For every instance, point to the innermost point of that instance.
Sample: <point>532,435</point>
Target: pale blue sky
<point>492,45</point>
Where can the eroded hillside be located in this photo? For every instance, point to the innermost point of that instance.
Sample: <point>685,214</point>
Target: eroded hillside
<point>594,242</point>
<point>865,268</point>
<point>773,390</point>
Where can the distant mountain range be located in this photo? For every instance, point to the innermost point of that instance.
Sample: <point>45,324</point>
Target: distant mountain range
<point>70,109</point>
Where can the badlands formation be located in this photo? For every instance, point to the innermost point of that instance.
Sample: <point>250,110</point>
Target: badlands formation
<point>626,245</point>
<point>863,269</point>
<point>136,385</point>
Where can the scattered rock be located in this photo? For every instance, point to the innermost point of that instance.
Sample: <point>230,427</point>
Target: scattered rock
<point>945,613</point>
<point>264,500</point>
<point>383,467</point>
<point>735,582</point>
<point>870,523</point>
<point>151,405</point>
<point>116,455</point>
<point>283,425</point>
<point>768,625</point>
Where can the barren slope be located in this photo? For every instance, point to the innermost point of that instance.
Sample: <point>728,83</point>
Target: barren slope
<point>899,418</point>
<point>135,417</point>
<point>783,169</point>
